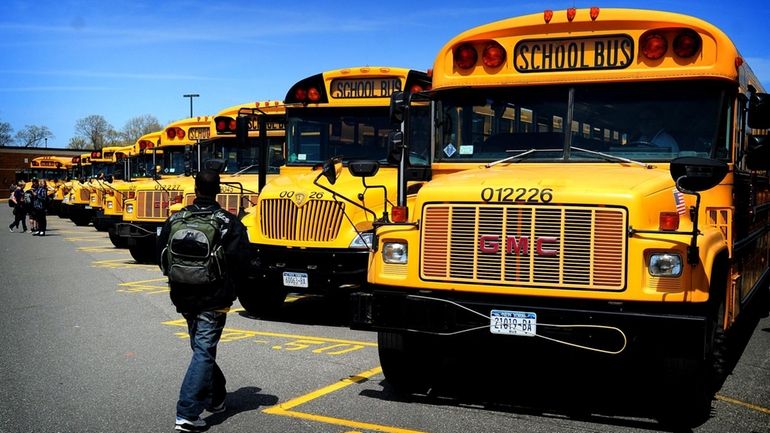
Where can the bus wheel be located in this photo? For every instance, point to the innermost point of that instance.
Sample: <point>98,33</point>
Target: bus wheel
<point>102,227</point>
<point>143,252</point>
<point>404,362</point>
<point>80,220</point>
<point>118,241</point>
<point>262,302</point>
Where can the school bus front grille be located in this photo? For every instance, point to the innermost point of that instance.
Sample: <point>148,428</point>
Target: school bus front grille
<point>234,202</point>
<point>154,204</point>
<point>573,247</point>
<point>315,221</point>
<point>85,195</point>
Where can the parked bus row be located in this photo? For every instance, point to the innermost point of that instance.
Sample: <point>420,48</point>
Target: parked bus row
<point>594,180</point>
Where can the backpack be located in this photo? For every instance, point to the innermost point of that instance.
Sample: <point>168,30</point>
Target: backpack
<point>11,203</point>
<point>193,254</point>
<point>27,198</point>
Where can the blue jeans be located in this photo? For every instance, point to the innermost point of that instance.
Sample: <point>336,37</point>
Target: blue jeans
<point>204,383</point>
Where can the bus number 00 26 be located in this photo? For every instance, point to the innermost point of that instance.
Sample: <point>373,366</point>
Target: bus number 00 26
<point>531,195</point>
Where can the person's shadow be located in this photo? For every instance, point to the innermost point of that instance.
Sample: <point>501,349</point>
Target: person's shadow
<point>243,400</point>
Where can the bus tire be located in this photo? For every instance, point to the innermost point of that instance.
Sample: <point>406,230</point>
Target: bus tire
<point>692,383</point>
<point>262,302</point>
<point>403,359</point>
<point>118,241</point>
<point>101,227</point>
<point>80,221</point>
<point>142,252</point>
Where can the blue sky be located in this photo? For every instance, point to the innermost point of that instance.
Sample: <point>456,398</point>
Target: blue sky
<point>64,60</point>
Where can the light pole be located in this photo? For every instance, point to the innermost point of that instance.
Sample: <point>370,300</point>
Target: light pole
<point>46,141</point>
<point>191,96</point>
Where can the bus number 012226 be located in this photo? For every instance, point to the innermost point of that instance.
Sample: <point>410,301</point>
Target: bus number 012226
<point>527,195</point>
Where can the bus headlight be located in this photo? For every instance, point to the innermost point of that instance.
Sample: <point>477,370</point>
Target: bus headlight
<point>394,252</point>
<point>129,208</point>
<point>363,241</point>
<point>109,205</point>
<point>665,265</point>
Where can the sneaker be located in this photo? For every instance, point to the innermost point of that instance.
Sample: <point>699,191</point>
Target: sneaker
<point>10,229</point>
<point>41,233</point>
<point>34,233</point>
<point>219,408</point>
<point>190,426</point>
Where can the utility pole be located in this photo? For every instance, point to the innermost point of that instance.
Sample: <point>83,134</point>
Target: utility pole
<point>191,96</point>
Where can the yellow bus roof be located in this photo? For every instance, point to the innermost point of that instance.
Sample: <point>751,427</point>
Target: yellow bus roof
<point>354,87</point>
<point>194,129</point>
<point>51,161</point>
<point>531,34</point>
<point>147,142</point>
<point>274,129</point>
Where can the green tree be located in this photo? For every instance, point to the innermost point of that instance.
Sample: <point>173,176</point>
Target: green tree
<point>33,135</point>
<point>95,130</point>
<point>138,126</point>
<point>6,134</point>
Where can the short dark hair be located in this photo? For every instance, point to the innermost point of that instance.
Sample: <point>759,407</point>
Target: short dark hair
<point>207,183</point>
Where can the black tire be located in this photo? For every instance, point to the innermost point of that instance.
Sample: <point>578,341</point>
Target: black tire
<point>404,360</point>
<point>262,301</point>
<point>101,226</point>
<point>118,241</point>
<point>690,384</point>
<point>81,221</point>
<point>143,252</point>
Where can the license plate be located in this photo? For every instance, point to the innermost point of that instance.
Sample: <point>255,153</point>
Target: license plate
<point>521,323</point>
<point>157,230</point>
<point>295,279</point>
<point>89,207</point>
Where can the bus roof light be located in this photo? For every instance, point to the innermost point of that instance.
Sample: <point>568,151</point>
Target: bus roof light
<point>547,15</point>
<point>653,45</point>
<point>594,13</point>
<point>232,125</point>
<point>687,44</point>
<point>465,56</point>
<point>180,133</point>
<point>220,125</point>
<point>300,94</point>
<point>571,12</point>
<point>669,221</point>
<point>738,62</point>
<point>313,94</point>
<point>494,55</point>
<point>416,88</point>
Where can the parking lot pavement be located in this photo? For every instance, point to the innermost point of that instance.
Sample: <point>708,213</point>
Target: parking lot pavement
<point>91,343</point>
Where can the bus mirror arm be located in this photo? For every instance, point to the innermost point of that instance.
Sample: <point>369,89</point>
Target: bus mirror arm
<point>336,194</point>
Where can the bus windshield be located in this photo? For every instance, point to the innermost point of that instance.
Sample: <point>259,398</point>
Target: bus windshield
<point>315,135</point>
<point>242,158</point>
<point>172,160</point>
<point>141,165</point>
<point>639,121</point>
<point>104,168</point>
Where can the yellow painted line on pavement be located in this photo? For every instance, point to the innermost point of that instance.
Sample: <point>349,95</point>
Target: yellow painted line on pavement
<point>121,264</point>
<point>146,286</point>
<point>285,409</point>
<point>102,249</point>
<point>85,238</point>
<point>751,406</point>
<point>250,333</point>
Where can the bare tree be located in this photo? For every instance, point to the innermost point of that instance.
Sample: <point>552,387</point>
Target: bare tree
<point>6,134</point>
<point>77,143</point>
<point>138,126</point>
<point>95,130</point>
<point>33,135</point>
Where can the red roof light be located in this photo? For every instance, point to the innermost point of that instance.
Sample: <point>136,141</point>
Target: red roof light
<point>687,44</point>
<point>571,12</point>
<point>313,94</point>
<point>494,55</point>
<point>465,56</point>
<point>547,15</point>
<point>653,45</point>
<point>594,13</point>
<point>300,94</point>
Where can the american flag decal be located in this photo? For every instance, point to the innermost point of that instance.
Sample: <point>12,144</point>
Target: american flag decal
<point>681,208</point>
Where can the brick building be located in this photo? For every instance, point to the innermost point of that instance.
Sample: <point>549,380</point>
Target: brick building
<point>14,159</point>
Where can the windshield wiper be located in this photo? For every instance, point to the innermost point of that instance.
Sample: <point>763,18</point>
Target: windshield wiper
<point>612,158</point>
<point>245,169</point>
<point>519,156</point>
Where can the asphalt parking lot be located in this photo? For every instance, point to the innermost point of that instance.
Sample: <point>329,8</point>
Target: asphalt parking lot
<point>91,343</point>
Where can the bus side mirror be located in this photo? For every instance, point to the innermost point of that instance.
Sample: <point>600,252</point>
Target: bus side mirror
<point>758,152</point>
<point>395,143</point>
<point>697,174</point>
<point>331,170</point>
<point>242,130</point>
<point>397,107</point>
<point>188,160</point>
<point>363,168</point>
<point>759,111</point>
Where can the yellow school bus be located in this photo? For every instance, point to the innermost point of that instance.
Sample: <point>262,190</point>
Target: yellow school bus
<point>300,238</point>
<point>111,169</point>
<point>237,159</point>
<point>585,230</point>
<point>54,170</point>
<point>139,165</point>
<point>143,215</point>
<point>79,195</point>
